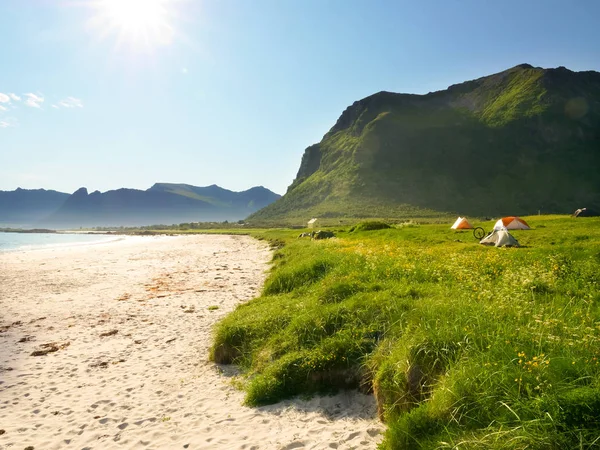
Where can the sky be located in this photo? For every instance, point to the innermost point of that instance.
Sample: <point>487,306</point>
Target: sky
<point>107,94</point>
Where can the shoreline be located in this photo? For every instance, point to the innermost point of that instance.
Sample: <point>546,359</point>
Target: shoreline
<point>123,331</point>
<point>37,244</point>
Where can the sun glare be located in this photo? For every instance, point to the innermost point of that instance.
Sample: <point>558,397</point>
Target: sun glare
<point>137,22</point>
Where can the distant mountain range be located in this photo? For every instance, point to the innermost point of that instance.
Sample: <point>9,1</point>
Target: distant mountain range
<point>515,142</point>
<point>28,206</point>
<point>163,203</point>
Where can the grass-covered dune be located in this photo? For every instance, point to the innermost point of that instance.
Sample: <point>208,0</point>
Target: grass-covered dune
<point>463,346</point>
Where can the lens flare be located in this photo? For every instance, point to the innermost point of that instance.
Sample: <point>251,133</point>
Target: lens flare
<point>145,23</point>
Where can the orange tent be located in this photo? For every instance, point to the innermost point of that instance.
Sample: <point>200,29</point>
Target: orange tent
<point>511,223</point>
<point>461,224</point>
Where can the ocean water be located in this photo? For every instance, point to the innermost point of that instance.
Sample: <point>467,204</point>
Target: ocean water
<point>35,241</point>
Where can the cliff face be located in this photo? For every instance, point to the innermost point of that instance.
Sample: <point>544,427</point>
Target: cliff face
<point>311,161</point>
<point>516,142</point>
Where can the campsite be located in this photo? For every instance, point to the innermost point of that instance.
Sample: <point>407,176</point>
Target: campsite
<point>457,341</point>
<point>499,236</point>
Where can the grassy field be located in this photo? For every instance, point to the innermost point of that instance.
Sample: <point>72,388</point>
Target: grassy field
<point>463,346</point>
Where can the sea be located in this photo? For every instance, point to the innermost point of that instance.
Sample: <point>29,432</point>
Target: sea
<point>37,241</point>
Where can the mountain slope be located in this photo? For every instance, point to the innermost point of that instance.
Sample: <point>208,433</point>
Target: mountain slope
<point>516,142</point>
<point>28,206</point>
<point>251,199</point>
<point>162,203</point>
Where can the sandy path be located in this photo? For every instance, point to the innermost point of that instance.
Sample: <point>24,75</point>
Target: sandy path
<point>129,326</point>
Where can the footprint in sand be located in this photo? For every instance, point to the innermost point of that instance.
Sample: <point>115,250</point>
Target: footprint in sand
<point>297,444</point>
<point>50,348</point>
<point>109,333</point>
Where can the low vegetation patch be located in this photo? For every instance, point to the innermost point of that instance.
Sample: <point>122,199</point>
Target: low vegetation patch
<point>370,226</point>
<point>463,346</point>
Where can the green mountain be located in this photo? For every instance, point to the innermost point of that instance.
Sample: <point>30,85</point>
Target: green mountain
<point>515,142</point>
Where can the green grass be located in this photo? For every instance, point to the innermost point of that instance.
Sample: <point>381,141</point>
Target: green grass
<point>463,346</point>
<point>522,96</point>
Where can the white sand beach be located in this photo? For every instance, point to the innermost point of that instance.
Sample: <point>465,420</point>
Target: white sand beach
<point>122,330</point>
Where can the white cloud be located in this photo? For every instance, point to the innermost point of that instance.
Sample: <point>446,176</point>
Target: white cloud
<point>34,100</point>
<point>69,102</point>
<point>9,102</point>
<point>8,123</point>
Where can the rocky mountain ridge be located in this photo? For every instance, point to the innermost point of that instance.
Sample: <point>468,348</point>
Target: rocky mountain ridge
<point>163,203</point>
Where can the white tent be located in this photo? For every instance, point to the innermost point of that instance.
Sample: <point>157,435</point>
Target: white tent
<point>500,238</point>
<point>311,222</point>
<point>511,223</point>
<point>461,224</point>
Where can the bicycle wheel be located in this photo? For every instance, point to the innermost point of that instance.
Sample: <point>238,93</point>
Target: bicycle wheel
<point>479,233</point>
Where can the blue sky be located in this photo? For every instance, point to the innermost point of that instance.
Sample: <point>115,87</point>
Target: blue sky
<point>231,92</point>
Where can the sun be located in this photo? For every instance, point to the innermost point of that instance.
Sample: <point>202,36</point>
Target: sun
<point>135,16</point>
<point>136,22</point>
